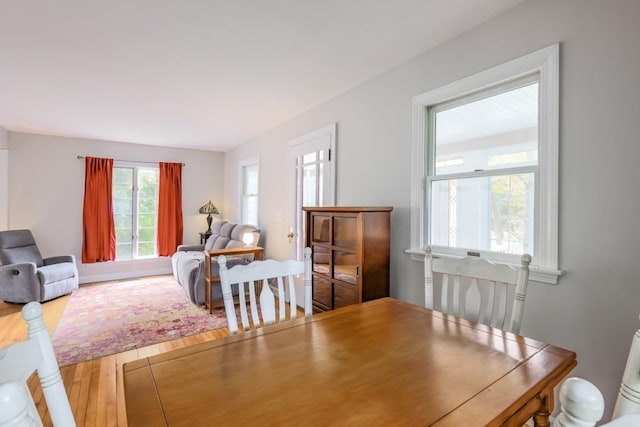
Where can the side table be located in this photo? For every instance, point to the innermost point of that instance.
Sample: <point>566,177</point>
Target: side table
<point>204,236</point>
<point>210,280</point>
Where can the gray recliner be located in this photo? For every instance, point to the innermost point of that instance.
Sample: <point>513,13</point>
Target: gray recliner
<point>25,276</point>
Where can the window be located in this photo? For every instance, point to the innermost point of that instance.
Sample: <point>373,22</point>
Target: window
<point>135,205</point>
<point>486,170</point>
<point>249,201</point>
<point>482,163</point>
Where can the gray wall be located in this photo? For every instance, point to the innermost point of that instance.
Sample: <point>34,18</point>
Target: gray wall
<point>46,191</point>
<point>4,179</point>
<point>594,308</point>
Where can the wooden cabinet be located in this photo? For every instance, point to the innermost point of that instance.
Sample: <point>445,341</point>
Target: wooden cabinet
<point>350,254</point>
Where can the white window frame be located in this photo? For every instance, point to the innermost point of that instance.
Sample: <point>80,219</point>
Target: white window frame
<point>243,165</point>
<point>545,61</point>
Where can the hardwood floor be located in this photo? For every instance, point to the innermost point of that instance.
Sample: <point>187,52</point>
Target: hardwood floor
<point>95,387</point>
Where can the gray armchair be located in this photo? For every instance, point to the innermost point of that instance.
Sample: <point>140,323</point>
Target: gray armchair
<point>25,276</point>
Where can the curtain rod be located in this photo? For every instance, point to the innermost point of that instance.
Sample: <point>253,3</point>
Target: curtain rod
<point>131,161</point>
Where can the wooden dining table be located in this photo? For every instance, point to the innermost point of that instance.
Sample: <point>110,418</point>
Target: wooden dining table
<point>382,363</point>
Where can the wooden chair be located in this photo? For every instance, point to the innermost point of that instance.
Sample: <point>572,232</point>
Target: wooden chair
<point>582,404</point>
<point>478,290</point>
<point>18,362</point>
<point>255,275</point>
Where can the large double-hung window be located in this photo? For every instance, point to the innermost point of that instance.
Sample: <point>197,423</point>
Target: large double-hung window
<point>481,174</point>
<point>486,165</point>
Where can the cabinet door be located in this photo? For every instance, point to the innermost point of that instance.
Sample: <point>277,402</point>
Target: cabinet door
<point>320,260</point>
<point>345,232</point>
<point>320,228</point>
<point>322,291</point>
<point>345,267</point>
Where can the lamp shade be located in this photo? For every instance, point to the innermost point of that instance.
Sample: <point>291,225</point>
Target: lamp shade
<point>247,238</point>
<point>209,209</point>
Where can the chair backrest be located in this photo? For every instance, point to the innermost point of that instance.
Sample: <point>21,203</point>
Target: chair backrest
<point>477,289</point>
<point>581,400</point>
<point>253,279</point>
<point>18,246</point>
<point>628,401</point>
<point>17,362</point>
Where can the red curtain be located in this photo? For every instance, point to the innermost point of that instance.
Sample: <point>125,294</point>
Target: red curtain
<point>98,228</point>
<point>170,208</point>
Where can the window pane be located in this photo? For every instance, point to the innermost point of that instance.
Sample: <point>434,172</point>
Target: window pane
<point>250,210</point>
<point>122,189</point>
<point>123,251</point>
<point>309,194</point>
<point>492,213</point>
<point>146,249</point>
<point>251,179</point>
<point>249,200</point>
<point>491,133</point>
<point>320,201</point>
<point>309,158</point>
<point>123,235</point>
<point>147,208</point>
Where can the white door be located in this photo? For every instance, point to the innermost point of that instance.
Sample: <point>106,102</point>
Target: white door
<point>311,162</point>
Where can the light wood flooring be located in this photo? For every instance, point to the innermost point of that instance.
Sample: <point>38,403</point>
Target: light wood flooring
<point>95,387</point>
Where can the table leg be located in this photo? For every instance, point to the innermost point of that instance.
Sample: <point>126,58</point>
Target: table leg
<point>207,296</point>
<point>541,417</point>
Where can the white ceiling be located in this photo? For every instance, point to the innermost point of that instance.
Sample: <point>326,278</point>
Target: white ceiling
<point>204,74</point>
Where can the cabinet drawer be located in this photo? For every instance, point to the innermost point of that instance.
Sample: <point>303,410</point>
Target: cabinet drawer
<point>344,295</point>
<point>322,290</point>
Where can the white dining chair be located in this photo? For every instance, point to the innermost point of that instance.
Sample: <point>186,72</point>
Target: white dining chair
<point>477,289</point>
<point>18,362</point>
<point>256,277</point>
<point>582,404</point>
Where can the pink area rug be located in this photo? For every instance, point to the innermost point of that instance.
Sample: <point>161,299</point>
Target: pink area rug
<point>113,317</point>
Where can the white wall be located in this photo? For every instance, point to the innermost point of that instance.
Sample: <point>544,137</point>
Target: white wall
<point>46,191</point>
<point>594,308</point>
<point>4,179</point>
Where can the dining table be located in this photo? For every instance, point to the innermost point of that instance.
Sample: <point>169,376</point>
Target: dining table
<point>384,362</point>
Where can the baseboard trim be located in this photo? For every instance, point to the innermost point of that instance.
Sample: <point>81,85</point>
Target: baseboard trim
<point>123,275</point>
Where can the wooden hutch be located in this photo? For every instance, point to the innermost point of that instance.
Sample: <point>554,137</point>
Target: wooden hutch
<point>351,248</point>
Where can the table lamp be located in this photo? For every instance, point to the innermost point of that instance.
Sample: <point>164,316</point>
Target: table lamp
<point>209,209</point>
<point>247,239</point>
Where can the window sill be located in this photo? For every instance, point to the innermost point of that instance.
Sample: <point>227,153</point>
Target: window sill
<point>536,274</point>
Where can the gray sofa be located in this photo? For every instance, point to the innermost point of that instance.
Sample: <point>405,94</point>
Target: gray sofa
<point>188,261</point>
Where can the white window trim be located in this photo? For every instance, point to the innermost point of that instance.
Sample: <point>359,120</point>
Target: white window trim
<point>546,62</point>
<point>248,162</point>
